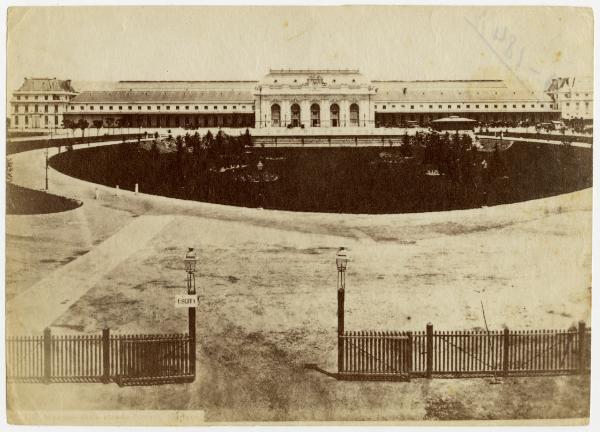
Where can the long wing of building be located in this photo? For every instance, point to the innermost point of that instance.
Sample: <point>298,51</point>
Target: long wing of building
<point>283,99</point>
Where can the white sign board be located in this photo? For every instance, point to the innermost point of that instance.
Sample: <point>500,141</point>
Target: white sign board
<point>186,301</point>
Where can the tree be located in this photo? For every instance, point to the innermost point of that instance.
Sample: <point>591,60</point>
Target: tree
<point>97,125</point>
<point>73,125</point>
<point>83,124</point>
<point>110,122</point>
<point>247,139</point>
<point>67,123</point>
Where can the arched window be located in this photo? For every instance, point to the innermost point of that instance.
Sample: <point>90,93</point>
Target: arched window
<point>275,115</point>
<point>295,115</point>
<point>334,113</point>
<point>354,115</point>
<point>315,115</point>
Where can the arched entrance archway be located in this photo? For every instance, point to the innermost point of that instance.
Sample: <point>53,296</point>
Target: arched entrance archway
<point>275,115</point>
<point>334,114</point>
<point>295,117</point>
<point>354,115</point>
<point>315,115</point>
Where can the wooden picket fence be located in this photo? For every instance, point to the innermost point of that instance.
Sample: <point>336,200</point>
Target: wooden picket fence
<point>402,355</point>
<point>124,359</point>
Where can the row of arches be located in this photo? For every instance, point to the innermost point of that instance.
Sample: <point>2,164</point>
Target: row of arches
<point>315,115</point>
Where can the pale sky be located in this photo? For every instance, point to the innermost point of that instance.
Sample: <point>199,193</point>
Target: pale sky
<point>527,45</point>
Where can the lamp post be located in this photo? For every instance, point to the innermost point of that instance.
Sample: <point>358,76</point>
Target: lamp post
<point>341,261</point>
<point>47,149</point>
<point>259,167</point>
<point>190,268</point>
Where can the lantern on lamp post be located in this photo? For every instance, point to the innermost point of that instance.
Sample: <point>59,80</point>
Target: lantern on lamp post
<point>190,268</point>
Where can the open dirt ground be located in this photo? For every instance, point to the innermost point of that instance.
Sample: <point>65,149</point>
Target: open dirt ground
<point>267,300</point>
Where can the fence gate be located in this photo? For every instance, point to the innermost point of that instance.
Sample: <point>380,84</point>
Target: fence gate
<point>154,359</point>
<point>373,355</point>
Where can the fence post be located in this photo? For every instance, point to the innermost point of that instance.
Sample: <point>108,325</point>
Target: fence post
<point>506,347</point>
<point>105,355</point>
<point>410,353</point>
<point>47,354</point>
<point>429,350</point>
<point>582,346</point>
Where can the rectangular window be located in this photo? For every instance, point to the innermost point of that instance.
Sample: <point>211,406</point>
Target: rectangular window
<point>81,108</point>
<point>120,107</point>
<point>234,107</point>
<point>430,106</point>
<point>542,105</point>
<point>503,106</point>
<point>458,106</point>
<point>439,107</point>
<point>101,107</point>
<point>168,107</point>
<point>187,107</point>
<point>157,107</point>
<point>486,106</point>
<point>72,108</point>
<point>412,107</point>
<point>243,106</point>
<point>383,107</point>
<point>532,106</point>
<point>375,106</point>
<point>129,107</point>
<point>176,107</point>
<point>514,106</point>
<point>56,120</point>
<point>523,106</point>
<point>46,98</point>
<point>449,106</point>
<point>148,107</point>
<point>45,108</point>
<point>215,107</point>
<point>205,107</point>
<point>139,107</point>
<point>18,97</point>
<point>224,107</point>
<point>468,106</point>
<point>476,106</point>
<point>36,108</point>
<point>110,107</point>
<point>196,107</point>
<point>46,120</point>
<point>91,107</point>
<point>495,106</point>
<point>16,121</point>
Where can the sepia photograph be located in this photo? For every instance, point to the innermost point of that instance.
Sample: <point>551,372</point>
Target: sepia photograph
<point>275,215</point>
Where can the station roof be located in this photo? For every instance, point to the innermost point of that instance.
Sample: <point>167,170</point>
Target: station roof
<point>158,96</point>
<point>46,85</point>
<point>455,91</point>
